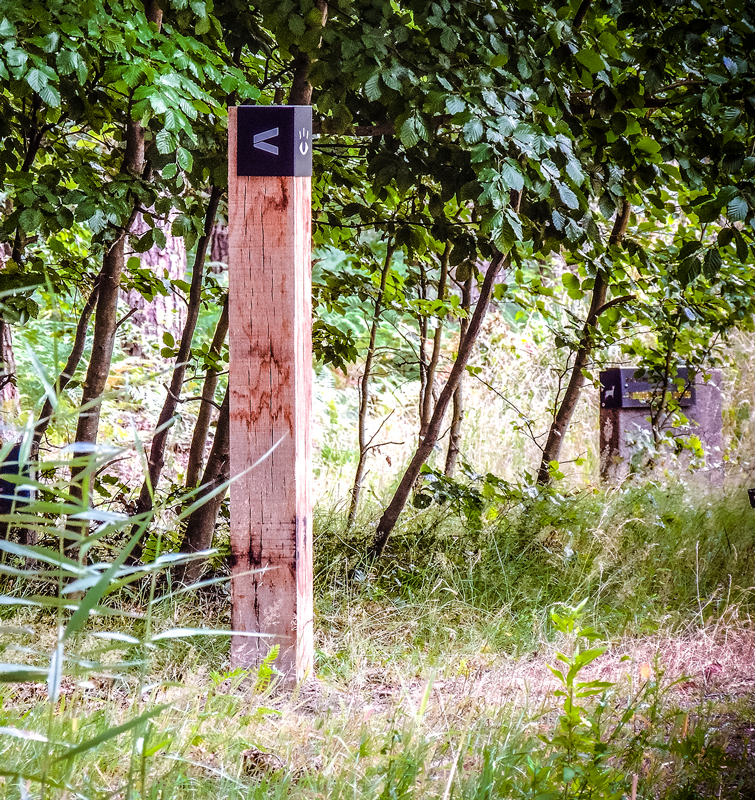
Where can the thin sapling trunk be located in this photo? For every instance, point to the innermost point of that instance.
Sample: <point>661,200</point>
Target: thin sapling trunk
<point>202,426</point>
<point>562,418</point>
<point>395,507</point>
<point>200,526</point>
<point>364,390</point>
<point>457,416</point>
<point>156,460</point>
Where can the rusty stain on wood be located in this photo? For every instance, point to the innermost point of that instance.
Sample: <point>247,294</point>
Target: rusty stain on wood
<point>270,334</point>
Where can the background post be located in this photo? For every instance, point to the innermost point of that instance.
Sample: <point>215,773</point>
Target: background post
<point>270,335</point>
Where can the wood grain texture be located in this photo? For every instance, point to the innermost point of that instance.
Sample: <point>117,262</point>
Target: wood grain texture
<point>270,335</point>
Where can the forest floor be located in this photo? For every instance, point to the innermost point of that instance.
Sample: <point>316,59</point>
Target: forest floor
<point>229,735</point>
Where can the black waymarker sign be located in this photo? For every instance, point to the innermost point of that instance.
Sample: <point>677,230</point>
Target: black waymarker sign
<point>274,140</point>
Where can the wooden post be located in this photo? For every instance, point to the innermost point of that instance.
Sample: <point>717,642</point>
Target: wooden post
<point>270,379</point>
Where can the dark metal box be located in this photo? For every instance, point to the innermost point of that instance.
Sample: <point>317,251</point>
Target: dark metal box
<point>620,389</point>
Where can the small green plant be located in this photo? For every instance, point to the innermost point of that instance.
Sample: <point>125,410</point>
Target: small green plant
<point>582,760</point>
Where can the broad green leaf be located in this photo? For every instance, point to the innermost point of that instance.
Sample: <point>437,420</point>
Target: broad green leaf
<point>568,196</point>
<point>408,133</point>
<point>574,171</point>
<point>743,251</point>
<point>449,40</point>
<point>30,219</point>
<point>648,145</point>
<point>712,263</point>
<point>185,159</point>
<point>473,130</point>
<point>297,25</point>
<point>591,60</point>
<point>372,87</point>
<point>166,142</point>
<point>511,176</point>
<point>737,209</point>
<point>725,237</point>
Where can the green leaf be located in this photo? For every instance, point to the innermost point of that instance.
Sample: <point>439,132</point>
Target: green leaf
<point>725,237</point>
<point>689,248</point>
<point>203,26</point>
<point>591,60</point>
<point>7,28</point>
<point>30,219</point>
<point>66,62</point>
<point>296,25</point>
<point>619,123</point>
<point>737,209</point>
<point>712,263</point>
<point>38,82</point>
<point>166,142</point>
<point>185,159</point>
<point>647,145</point>
<point>144,243</point>
<point>408,133</point>
<point>473,130</point>
<point>743,251</point>
<point>372,87</point>
<point>574,171</point>
<point>568,196</point>
<point>449,40</point>
<point>511,176</point>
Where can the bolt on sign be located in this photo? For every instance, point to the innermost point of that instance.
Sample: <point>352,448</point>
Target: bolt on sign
<point>270,384</point>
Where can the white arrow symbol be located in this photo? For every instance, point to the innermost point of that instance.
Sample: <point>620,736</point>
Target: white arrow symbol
<point>260,141</point>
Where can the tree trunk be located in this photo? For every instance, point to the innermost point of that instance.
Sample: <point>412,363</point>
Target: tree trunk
<point>432,364</point>
<point>364,393</point>
<point>45,415</point>
<point>390,516</point>
<point>160,438</point>
<point>560,424</point>
<point>454,436</point>
<point>200,526</point>
<point>106,313</point>
<point>8,390</point>
<point>301,88</point>
<point>202,426</point>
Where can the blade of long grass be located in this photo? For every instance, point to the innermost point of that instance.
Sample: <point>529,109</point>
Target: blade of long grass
<point>111,733</point>
<point>42,554</point>
<point>94,595</point>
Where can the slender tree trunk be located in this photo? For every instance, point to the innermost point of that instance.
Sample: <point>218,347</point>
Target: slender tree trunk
<point>562,418</point>
<point>454,436</point>
<point>364,392</point>
<point>390,516</point>
<point>162,428</point>
<point>8,391</point>
<point>432,364</point>
<point>202,426</point>
<point>301,88</point>
<point>422,325</point>
<point>106,313</point>
<point>200,526</point>
<point>45,415</point>
<point>8,388</point>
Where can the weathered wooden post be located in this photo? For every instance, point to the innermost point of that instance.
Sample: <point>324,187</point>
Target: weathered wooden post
<point>270,333</point>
